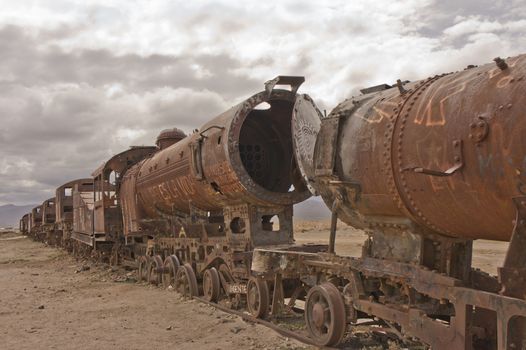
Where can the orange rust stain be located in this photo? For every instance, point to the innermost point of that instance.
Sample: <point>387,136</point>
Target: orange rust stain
<point>504,81</point>
<point>379,115</point>
<point>442,121</point>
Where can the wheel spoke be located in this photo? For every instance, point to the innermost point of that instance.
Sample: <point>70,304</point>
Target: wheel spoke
<point>315,298</point>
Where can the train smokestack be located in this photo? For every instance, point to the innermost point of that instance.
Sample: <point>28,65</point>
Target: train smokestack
<point>169,137</point>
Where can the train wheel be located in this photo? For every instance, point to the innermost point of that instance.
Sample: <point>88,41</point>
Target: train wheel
<point>185,281</point>
<point>258,299</point>
<point>325,314</point>
<point>171,265</point>
<point>142,271</point>
<point>211,284</point>
<point>155,268</point>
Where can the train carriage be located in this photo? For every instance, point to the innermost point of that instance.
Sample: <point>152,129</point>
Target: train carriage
<point>64,208</point>
<point>49,234</point>
<point>24,224</point>
<point>35,222</point>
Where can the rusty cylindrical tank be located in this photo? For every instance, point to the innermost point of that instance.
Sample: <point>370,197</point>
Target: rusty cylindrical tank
<point>447,153</point>
<point>244,155</point>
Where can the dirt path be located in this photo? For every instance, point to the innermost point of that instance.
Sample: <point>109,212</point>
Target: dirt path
<point>48,302</point>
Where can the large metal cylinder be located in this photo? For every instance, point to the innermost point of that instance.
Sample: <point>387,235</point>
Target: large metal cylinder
<point>447,153</point>
<point>244,155</point>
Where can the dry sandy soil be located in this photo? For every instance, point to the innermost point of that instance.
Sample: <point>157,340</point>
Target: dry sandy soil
<point>50,300</point>
<point>487,255</point>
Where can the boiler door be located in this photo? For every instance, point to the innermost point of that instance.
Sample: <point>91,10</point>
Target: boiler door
<point>306,121</point>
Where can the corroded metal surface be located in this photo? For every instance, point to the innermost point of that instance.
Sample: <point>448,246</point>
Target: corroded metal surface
<point>306,121</point>
<point>64,200</point>
<point>107,214</point>
<point>242,156</point>
<point>35,218</point>
<point>449,145</point>
<point>64,210</point>
<point>48,211</point>
<point>24,224</point>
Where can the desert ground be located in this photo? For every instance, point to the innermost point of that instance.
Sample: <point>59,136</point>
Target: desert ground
<point>51,300</point>
<point>487,255</point>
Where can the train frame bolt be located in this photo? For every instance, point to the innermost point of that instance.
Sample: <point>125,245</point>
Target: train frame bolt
<point>501,63</point>
<point>400,86</point>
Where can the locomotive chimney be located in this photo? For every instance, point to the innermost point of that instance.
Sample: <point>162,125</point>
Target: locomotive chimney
<point>169,137</point>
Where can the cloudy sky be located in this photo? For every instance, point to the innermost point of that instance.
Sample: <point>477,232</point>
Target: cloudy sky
<point>81,80</point>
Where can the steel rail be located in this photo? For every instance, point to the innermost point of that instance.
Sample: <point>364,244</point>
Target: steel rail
<point>250,318</point>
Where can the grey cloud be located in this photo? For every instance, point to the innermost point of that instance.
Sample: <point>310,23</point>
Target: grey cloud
<point>72,133</point>
<point>446,13</point>
<point>32,62</point>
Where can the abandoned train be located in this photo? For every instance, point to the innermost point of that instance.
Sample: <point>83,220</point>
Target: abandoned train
<point>423,167</point>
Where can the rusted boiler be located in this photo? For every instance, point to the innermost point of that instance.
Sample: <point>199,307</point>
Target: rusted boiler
<point>243,156</point>
<point>452,145</point>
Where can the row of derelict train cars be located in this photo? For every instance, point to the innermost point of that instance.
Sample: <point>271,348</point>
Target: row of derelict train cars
<point>424,168</point>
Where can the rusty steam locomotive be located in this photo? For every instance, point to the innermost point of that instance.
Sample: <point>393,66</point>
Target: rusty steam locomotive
<point>424,168</point>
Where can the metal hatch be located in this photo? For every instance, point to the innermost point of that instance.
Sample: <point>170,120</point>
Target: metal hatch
<point>306,121</point>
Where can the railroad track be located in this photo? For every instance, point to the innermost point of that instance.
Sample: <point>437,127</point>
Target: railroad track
<point>247,317</point>
<point>299,337</point>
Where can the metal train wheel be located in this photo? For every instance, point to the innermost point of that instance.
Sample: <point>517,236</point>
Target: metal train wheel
<point>325,314</point>
<point>211,284</point>
<point>155,268</point>
<point>258,299</point>
<point>186,282</point>
<point>171,265</point>
<point>142,272</point>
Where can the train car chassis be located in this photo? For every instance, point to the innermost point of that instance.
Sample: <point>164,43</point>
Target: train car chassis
<point>458,307</point>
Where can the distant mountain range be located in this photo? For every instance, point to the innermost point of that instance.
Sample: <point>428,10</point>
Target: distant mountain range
<point>312,209</point>
<point>10,214</point>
